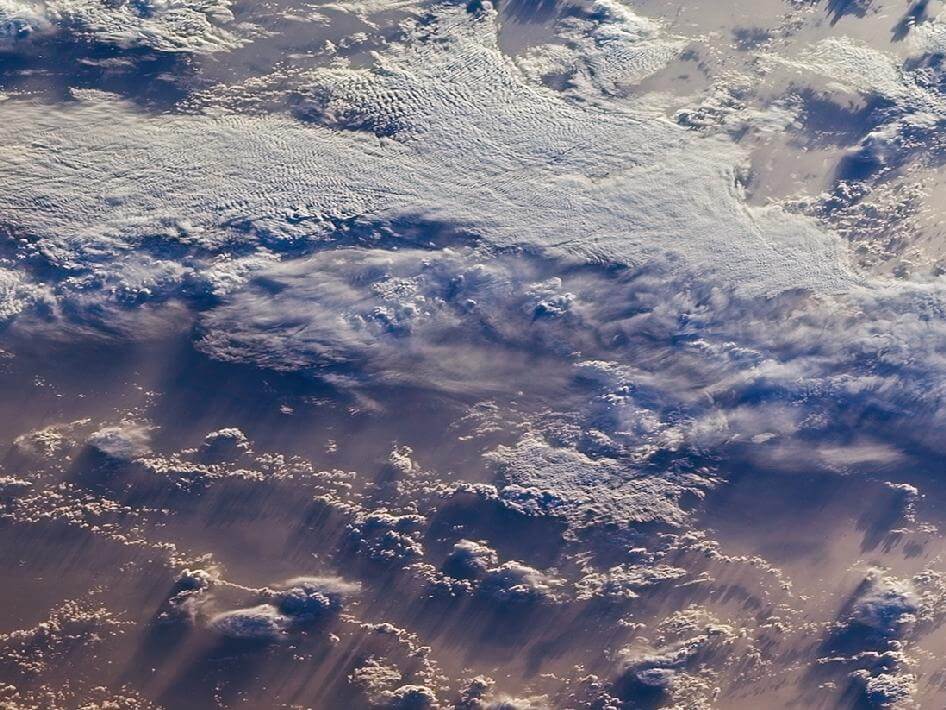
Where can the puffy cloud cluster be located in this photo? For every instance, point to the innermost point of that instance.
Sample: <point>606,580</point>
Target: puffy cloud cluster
<point>543,479</point>
<point>17,293</point>
<point>224,445</point>
<point>470,560</point>
<point>870,639</point>
<point>626,581</point>
<point>384,687</point>
<point>388,537</point>
<point>604,48</point>
<point>678,670</point>
<point>10,487</point>
<point>70,628</point>
<point>162,25</point>
<point>296,604</point>
<point>887,690</point>
<point>309,598</point>
<point>514,581</point>
<point>123,442</point>
<point>164,223</point>
<point>187,595</point>
<point>474,567</point>
<point>885,604</point>
<point>19,19</point>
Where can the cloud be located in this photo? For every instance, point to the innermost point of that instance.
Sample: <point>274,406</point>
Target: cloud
<point>885,604</point>
<point>262,623</point>
<point>188,595</point>
<point>124,442</point>
<point>11,487</point>
<point>542,479</point>
<point>384,687</point>
<point>307,599</point>
<point>469,560</point>
<point>19,20</point>
<point>17,294</point>
<point>71,626</point>
<point>587,182</point>
<point>293,605</point>
<point>224,445</point>
<point>887,690</point>
<point>388,537</point>
<point>626,581</point>
<point>514,581</point>
<point>606,49</point>
<point>678,670</point>
<point>412,697</point>
<point>190,26</point>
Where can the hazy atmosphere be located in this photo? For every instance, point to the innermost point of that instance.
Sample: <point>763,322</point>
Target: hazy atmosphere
<point>511,355</point>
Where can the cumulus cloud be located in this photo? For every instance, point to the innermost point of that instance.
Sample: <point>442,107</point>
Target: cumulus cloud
<point>161,25</point>
<point>28,653</point>
<point>293,605</point>
<point>17,294</point>
<point>887,690</point>
<point>224,445</point>
<point>543,479</point>
<point>388,537</point>
<point>469,560</point>
<point>384,687</point>
<point>124,442</point>
<point>306,599</point>
<point>626,581</point>
<point>10,487</point>
<point>126,245</point>
<point>262,623</point>
<point>885,604</point>
<point>412,697</point>
<point>187,595</point>
<point>514,581</point>
<point>605,48</point>
<point>673,671</point>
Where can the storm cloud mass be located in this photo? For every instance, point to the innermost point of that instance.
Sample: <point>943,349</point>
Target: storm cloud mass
<point>447,354</point>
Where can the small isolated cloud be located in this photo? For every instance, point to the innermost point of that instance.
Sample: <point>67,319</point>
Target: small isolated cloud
<point>123,442</point>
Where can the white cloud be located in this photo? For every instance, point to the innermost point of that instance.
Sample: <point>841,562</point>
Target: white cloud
<point>262,622</point>
<point>885,604</point>
<point>482,147</point>
<point>126,441</point>
<point>514,581</point>
<point>470,560</point>
<point>163,25</point>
